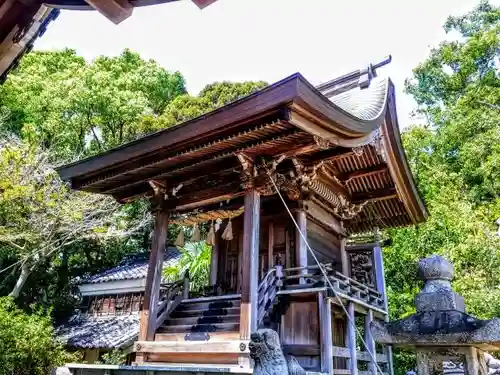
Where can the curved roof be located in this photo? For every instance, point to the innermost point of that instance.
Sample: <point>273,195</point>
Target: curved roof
<point>365,104</point>
<point>354,133</point>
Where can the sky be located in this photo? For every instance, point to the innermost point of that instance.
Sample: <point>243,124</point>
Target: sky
<point>268,40</point>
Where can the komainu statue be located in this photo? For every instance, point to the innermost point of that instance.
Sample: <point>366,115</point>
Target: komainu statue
<point>265,350</point>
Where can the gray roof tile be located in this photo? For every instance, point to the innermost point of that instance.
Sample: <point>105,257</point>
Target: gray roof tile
<point>133,267</point>
<point>86,332</point>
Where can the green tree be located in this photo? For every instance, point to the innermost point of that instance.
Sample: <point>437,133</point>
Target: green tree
<point>456,162</point>
<point>212,96</point>
<point>75,108</point>
<point>27,345</point>
<point>41,220</point>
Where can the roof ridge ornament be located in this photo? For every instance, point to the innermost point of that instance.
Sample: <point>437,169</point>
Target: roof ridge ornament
<point>358,78</point>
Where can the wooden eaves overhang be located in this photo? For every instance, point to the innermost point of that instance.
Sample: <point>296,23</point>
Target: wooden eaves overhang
<point>344,151</point>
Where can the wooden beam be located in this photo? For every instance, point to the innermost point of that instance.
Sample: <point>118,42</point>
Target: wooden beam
<point>114,10</point>
<point>333,154</point>
<point>316,210</point>
<point>153,278</point>
<point>233,346</point>
<point>351,339</point>
<point>370,343</point>
<point>325,320</point>
<point>374,195</point>
<point>374,169</point>
<point>250,270</point>
<point>300,243</point>
<point>299,150</point>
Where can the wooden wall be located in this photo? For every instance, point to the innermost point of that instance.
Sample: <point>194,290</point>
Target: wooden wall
<point>325,244</point>
<point>230,252</point>
<point>114,304</point>
<point>300,332</point>
<point>322,237</point>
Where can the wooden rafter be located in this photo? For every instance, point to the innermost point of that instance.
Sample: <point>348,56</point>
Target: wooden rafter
<point>114,10</point>
<point>374,195</point>
<point>369,171</point>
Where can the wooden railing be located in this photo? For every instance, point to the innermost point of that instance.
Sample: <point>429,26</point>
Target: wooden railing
<point>343,285</point>
<point>170,296</point>
<point>267,292</point>
<point>361,356</point>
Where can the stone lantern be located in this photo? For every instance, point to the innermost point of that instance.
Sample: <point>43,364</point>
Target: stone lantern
<point>445,338</point>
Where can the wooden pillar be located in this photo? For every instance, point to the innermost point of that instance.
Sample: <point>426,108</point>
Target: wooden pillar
<point>351,339</point>
<point>325,321</point>
<point>288,250</point>
<point>214,261</point>
<point>270,246</point>
<point>250,271</point>
<point>378,266</point>
<point>370,343</point>
<point>153,279</point>
<point>344,258</point>
<point>300,243</point>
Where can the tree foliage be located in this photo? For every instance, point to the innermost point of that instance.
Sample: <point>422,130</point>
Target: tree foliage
<point>456,161</point>
<point>42,219</point>
<point>27,345</point>
<point>195,259</point>
<point>213,96</point>
<point>75,108</point>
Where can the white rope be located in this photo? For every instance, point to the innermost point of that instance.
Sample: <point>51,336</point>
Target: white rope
<point>325,275</point>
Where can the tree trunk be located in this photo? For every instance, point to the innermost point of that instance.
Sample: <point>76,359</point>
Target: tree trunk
<point>23,277</point>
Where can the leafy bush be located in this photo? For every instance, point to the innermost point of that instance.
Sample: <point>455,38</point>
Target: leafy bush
<point>27,344</point>
<point>195,258</point>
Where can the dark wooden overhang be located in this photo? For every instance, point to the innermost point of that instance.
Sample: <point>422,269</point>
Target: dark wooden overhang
<point>349,143</point>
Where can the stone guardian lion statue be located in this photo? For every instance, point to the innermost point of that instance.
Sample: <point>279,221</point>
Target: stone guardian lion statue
<point>265,350</point>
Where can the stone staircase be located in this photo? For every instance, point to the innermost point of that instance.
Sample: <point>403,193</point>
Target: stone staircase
<point>203,319</point>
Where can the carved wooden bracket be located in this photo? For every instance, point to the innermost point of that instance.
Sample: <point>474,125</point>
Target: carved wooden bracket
<point>307,179</point>
<point>159,197</point>
<point>378,143</point>
<point>323,143</point>
<point>258,177</point>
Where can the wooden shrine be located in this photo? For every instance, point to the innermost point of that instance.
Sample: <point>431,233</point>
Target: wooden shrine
<point>334,154</point>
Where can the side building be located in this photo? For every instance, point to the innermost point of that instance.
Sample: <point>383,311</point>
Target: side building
<point>108,315</point>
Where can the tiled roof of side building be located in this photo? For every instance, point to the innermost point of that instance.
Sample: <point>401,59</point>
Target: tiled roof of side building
<point>132,267</point>
<point>93,332</point>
